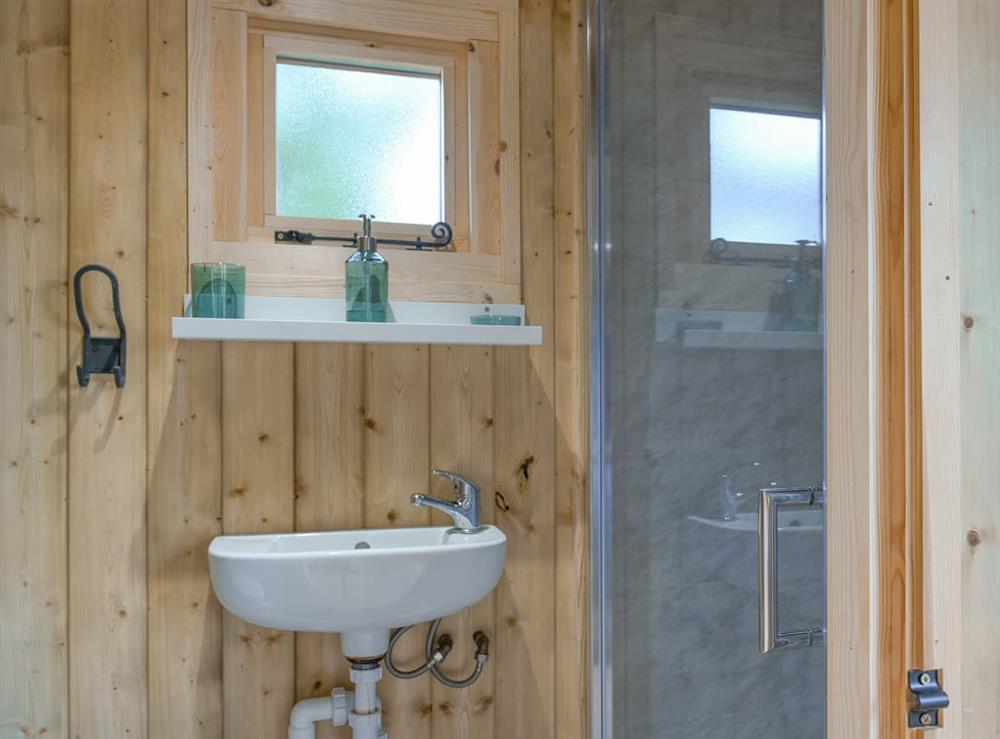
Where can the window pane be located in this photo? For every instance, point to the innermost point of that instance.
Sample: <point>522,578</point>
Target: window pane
<point>765,171</point>
<point>355,141</point>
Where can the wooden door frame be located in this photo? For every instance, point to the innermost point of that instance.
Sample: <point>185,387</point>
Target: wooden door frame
<point>874,378</point>
<point>912,334</point>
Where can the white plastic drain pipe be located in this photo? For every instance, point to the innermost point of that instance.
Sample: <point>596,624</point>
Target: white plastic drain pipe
<point>366,711</point>
<point>305,714</point>
<point>361,710</point>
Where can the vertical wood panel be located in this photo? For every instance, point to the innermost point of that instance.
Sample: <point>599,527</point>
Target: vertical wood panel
<point>461,440</point>
<point>330,483</point>
<point>229,124</point>
<point>185,620</point>
<point>961,324</point>
<point>572,380</point>
<point>979,537</point>
<point>514,60</point>
<point>257,496</point>
<point>107,449</point>
<point>525,428</point>
<point>397,464</point>
<point>199,101</point>
<point>941,335</point>
<point>268,130</point>
<point>255,130</point>
<point>893,256</point>
<point>34,111</point>
<point>459,154</point>
<point>852,652</point>
<point>483,64</point>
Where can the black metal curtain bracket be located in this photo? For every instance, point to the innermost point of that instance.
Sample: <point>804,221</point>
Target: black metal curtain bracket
<point>101,354</point>
<point>441,231</point>
<point>304,237</point>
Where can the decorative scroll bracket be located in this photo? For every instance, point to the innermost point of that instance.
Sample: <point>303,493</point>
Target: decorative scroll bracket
<point>721,252</point>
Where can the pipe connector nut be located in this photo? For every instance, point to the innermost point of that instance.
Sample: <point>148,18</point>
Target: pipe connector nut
<point>341,707</point>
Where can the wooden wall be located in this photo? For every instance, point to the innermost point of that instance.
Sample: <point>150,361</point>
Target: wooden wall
<point>959,221</point>
<point>34,162</point>
<point>110,497</point>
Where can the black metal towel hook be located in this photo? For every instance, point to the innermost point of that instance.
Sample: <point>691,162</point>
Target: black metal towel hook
<point>101,354</point>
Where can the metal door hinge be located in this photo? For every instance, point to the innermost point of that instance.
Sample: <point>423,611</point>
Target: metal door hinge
<point>927,699</point>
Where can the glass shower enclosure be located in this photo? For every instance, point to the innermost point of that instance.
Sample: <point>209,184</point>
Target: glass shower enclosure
<point>707,193</point>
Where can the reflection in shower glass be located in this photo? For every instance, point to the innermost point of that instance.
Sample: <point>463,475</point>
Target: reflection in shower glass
<point>712,380</point>
<point>765,172</point>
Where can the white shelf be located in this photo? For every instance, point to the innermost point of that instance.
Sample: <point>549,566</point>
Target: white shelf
<point>322,320</point>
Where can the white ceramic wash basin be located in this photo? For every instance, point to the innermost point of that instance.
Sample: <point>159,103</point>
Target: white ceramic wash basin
<point>359,583</point>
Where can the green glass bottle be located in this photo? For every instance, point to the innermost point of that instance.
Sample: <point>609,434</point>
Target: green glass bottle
<point>367,282</point>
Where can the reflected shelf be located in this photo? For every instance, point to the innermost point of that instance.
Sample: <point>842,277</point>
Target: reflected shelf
<point>729,329</point>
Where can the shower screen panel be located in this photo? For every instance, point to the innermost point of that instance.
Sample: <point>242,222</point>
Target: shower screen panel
<point>709,365</point>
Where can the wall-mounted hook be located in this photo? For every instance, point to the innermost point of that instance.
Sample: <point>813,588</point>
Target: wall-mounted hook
<point>101,354</point>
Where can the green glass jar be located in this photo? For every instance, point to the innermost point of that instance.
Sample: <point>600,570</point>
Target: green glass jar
<point>803,297</point>
<point>802,293</point>
<point>218,290</point>
<point>367,280</point>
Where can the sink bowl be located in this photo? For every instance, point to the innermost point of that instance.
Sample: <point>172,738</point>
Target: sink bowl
<point>359,583</point>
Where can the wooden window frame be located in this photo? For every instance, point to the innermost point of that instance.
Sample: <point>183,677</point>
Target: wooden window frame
<point>318,51</point>
<point>229,218</point>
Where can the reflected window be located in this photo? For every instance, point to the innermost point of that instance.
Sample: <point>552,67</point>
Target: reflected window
<point>356,140</point>
<point>765,176</point>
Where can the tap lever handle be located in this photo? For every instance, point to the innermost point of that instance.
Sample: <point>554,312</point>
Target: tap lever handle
<point>463,485</point>
<point>464,510</point>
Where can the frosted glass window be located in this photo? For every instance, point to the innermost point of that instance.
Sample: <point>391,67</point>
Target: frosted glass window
<point>765,171</point>
<point>354,140</point>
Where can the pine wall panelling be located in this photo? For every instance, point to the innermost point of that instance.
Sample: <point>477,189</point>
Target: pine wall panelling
<point>116,630</point>
<point>184,505</point>
<point>34,166</point>
<point>107,426</point>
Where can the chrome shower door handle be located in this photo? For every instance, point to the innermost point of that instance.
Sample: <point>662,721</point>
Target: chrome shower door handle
<point>771,500</point>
